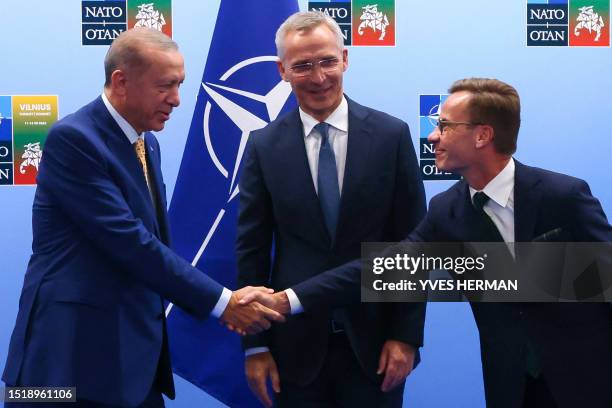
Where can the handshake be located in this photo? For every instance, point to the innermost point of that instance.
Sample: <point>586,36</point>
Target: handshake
<point>253,309</point>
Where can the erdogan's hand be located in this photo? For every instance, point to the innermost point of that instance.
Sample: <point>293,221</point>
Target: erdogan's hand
<point>249,318</point>
<point>277,301</point>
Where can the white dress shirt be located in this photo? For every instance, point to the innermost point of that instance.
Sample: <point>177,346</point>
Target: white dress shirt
<point>338,140</point>
<point>132,136</point>
<point>500,207</point>
<point>128,130</point>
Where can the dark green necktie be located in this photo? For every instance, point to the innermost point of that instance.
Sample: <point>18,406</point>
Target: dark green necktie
<point>486,231</point>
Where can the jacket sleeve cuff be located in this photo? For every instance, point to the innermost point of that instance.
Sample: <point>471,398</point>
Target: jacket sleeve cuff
<point>294,302</point>
<point>221,303</point>
<point>255,350</point>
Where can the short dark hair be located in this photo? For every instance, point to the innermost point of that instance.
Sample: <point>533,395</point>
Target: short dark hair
<point>494,103</point>
<point>126,50</point>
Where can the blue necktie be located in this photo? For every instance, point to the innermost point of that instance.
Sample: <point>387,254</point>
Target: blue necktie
<point>327,181</point>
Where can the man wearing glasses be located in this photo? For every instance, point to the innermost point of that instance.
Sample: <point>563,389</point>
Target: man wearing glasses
<point>533,355</point>
<point>315,184</point>
<point>542,355</point>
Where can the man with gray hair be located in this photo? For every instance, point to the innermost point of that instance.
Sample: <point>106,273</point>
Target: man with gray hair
<point>91,310</point>
<point>315,184</point>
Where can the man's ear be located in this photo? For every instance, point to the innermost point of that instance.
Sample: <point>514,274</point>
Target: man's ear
<point>119,82</point>
<point>281,70</point>
<point>484,136</point>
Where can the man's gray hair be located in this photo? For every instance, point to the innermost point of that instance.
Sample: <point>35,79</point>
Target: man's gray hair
<point>306,21</point>
<point>126,50</point>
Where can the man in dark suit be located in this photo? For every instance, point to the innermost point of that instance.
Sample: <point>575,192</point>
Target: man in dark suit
<point>91,311</point>
<point>315,184</point>
<point>536,354</point>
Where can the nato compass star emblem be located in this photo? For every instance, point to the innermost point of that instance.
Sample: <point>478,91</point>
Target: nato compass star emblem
<point>434,115</point>
<point>245,121</point>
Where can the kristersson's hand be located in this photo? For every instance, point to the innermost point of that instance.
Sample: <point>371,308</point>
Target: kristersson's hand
<point>258,367</point>
<point>277,301</point>
<point>250,318</point>
<point>396,361</point>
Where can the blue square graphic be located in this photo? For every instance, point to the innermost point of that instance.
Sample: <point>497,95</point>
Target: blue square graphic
<point>427,103</point>
<point>425,127</point>
<point>6,130</point>
<point>5,107</point>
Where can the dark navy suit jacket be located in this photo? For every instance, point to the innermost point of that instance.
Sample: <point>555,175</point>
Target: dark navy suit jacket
<point>91,312</point>
<point>382,200</point>
<point>573,342</point>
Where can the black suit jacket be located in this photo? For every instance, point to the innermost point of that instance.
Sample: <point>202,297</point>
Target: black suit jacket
<point>282,239</point>
<point>573,342</point>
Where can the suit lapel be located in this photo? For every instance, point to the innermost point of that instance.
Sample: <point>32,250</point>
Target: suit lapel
<point>124,152</point>
<point>293,152</point>
<point>463,216</point>
<point>356,167</point>
<point>155,178</point>
<point>526,200</point>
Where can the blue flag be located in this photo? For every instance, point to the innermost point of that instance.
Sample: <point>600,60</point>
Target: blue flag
<point>241,91</point>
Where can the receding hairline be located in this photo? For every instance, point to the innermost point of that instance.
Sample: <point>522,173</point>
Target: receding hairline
<point>305,22</point>
<point>129,50</point>
<point>462,96</point>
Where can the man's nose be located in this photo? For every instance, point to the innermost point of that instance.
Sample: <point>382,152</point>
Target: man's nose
<point>434,136</point>
<point>317,75</point>
<point>174,98</point>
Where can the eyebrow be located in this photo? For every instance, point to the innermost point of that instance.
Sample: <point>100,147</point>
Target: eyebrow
<point>171,80</point>
<point>307,61</point>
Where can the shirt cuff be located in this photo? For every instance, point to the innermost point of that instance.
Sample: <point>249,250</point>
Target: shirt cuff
<point>294,302</point>
<point>222,303</point>
<point>255,350</point>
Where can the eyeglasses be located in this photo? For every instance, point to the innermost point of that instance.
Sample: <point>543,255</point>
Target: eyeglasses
<point>443,124</point>
<point>327,65</point>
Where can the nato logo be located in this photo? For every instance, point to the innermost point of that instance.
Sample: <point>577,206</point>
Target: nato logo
<point>429,113</point>
<point>340,11</point>
<point>363,23</point>
<point>103,21</point>
<point>573,23</point>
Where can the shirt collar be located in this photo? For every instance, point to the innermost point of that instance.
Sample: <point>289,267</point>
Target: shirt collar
<point>500,188</point>
<point>128,130</point>
<point>338,118</point>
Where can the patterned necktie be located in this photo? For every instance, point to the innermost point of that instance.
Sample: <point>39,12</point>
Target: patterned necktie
<point>327,181</point>
<point>139,146</point>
